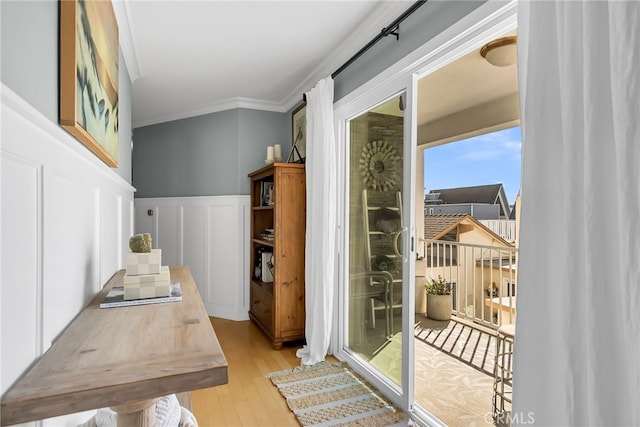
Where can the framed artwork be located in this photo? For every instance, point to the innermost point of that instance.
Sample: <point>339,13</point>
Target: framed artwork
<point>298,135</point>
<point>89,53</point>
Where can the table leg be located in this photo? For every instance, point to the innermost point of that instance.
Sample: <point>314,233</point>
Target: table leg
<point>137,414</point>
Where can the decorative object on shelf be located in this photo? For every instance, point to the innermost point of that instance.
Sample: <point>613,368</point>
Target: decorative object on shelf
<point>89,55</point>
<point>264,268</point>
<point>259,268</point>
<point>147,285</point>
<point>145,276</point>
<point>270,155</point>
<point>277,152</point>
<point>388,220</point>
<point>267,266</point>
<point>378,166</point>
<point>140,243</point>
<point>139,263</point>
<point>439,299</point>
<point>384,263</point>
<point>298,151</point>
<point>268,235</point>
<point>267,196</point>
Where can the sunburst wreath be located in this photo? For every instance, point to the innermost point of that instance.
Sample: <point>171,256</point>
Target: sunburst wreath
<point>378,165</point>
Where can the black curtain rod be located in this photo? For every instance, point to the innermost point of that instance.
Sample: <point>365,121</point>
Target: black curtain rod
<point>392,29</point>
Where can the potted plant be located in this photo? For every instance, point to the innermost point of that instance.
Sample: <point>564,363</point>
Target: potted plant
<point>438,298</point>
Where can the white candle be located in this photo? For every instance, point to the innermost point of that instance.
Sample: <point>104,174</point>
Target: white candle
<point>270,153</point>
<point>277,152</point>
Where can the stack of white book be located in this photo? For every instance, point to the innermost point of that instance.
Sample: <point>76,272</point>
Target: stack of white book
<point>146,277</point>
<point>146,281</point>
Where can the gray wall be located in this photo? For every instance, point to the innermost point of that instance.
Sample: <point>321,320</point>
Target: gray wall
<point>259,129</point>
<point>476,210</point>
<point>29,65</point>
<point>207,155</point>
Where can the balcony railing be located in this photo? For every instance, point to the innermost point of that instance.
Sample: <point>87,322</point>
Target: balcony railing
<point>505,228</point>
<point>483,279</point>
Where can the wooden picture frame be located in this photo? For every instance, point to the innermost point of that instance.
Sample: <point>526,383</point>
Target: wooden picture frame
<point>298,151</point>
<point>89,57</point>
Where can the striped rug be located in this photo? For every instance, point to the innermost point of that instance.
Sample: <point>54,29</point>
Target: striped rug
<point>331,394</point>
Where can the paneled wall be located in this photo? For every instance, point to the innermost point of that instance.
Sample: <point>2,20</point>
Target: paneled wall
<point>211,235</point>
<point>66,222</point>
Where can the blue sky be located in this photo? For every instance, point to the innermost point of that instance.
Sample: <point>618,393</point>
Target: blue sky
<point>484,159</point>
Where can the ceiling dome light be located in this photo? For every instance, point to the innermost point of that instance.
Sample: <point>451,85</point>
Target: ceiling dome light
<point>500,52</point>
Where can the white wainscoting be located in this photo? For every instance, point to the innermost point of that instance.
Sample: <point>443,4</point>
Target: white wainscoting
<point>66,220</point>
<point>211,235</point>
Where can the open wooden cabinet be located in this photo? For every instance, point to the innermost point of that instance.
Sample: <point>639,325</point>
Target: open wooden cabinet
<point>278,215</point>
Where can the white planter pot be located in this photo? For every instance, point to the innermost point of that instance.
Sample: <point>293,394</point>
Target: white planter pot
<point>439,307</point>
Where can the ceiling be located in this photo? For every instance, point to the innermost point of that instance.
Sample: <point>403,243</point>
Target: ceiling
<point>467,97</point>
<point>463,84</point>
<point>187,58</point>
<point>194,57</point>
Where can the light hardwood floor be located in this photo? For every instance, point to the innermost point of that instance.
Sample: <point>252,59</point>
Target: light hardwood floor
<point>249,399</point>
<point>447,383</point>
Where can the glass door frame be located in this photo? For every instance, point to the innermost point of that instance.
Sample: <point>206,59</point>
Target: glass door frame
<point>399,395</point>
<point>485,23</point>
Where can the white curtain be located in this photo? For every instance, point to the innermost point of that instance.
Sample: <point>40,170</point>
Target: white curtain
<point>322,196</point>
<point>577,359</point>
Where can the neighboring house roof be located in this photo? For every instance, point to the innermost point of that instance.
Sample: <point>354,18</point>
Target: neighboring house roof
<point>491,194</point>
<point>437,226</point>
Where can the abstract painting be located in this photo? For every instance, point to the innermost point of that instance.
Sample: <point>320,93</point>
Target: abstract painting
<point>89,53</point>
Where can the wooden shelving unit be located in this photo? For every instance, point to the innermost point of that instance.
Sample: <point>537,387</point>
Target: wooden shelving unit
<point>278,307</point>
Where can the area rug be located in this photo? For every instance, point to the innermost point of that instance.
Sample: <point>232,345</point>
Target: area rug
<point>331,394</point>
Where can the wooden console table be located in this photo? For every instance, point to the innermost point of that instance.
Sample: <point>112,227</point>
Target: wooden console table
<point>125,358</point>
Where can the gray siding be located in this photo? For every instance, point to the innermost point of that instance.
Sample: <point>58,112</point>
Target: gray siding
<point>476,210</point>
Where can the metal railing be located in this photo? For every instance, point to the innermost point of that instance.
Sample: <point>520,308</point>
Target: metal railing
<point>483,279</point>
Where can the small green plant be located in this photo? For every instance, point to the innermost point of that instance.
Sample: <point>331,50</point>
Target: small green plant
<point>438,286</point>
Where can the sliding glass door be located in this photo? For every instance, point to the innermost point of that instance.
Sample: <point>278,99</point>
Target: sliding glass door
<point>376,129</point>
<point>378,271</point>
<point>376,228</point>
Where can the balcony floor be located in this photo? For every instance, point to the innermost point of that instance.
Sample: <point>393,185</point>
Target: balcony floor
<point>453,369</point>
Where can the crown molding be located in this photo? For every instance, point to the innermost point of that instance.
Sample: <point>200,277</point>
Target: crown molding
<point>223,105</point>
<point>121,10</point>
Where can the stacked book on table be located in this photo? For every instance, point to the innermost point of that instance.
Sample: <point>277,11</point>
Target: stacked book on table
<point>146,281</point>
